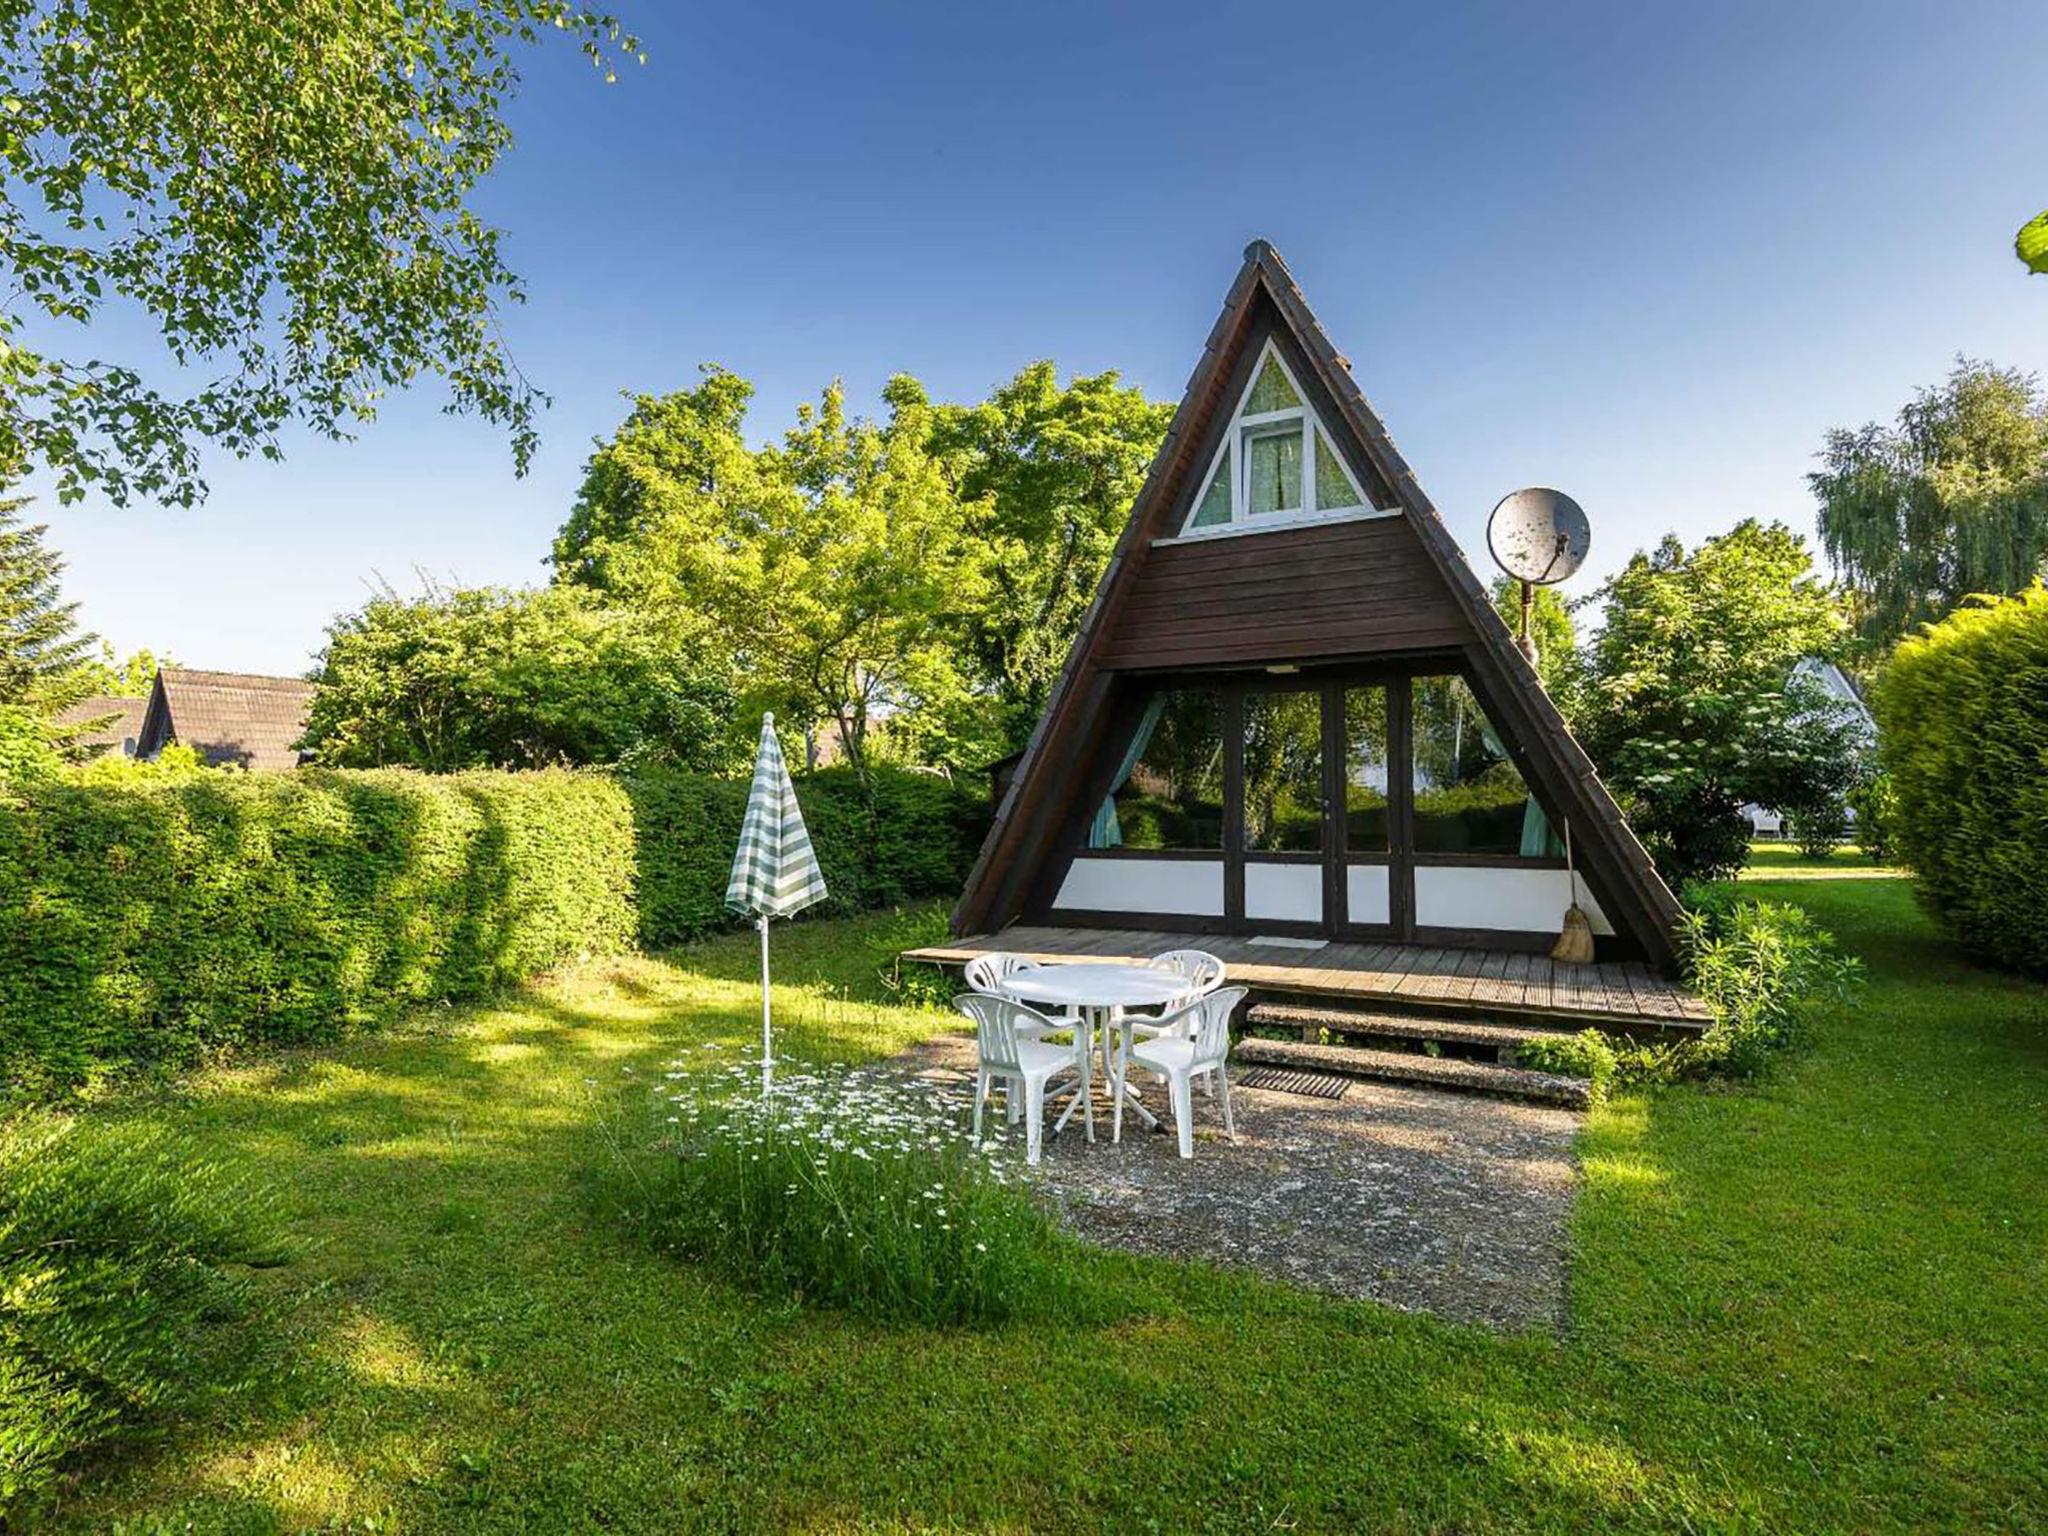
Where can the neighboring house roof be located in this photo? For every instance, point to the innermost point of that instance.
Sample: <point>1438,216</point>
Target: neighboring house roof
<point>112,724</point>
<point>236,718</point>
<point>1406,589</point>
<point>1836,684</point>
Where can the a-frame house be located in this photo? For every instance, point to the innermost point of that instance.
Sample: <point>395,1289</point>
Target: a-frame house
<point>1292,711</point>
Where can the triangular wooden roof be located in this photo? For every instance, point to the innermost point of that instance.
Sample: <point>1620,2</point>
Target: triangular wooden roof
<point>237,719</point>
<point>1264,301</point>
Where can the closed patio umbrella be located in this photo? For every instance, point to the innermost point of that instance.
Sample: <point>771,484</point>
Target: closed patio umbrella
<point>774,873</point>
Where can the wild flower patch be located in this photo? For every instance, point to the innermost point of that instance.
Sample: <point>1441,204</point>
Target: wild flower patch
<point>844,1186</point>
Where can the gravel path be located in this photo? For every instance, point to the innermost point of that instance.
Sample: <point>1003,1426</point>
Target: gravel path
<point>1434,1201</point>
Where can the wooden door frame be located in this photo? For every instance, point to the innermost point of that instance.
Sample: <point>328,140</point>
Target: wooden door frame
<point>1395,675</point>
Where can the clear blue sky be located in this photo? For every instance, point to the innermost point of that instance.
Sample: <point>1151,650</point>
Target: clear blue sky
<point>1646,253</point>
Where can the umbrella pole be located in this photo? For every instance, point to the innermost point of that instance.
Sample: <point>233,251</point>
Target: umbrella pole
<point>767,1042</point>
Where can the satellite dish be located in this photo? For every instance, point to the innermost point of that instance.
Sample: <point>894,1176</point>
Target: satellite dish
<point>1539,536</point>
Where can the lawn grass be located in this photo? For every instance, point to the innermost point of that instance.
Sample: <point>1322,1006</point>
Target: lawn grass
<point>1813,1305</point>
<point>1776,861</point>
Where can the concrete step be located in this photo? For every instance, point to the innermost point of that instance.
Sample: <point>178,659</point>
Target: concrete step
<point>1387,1024</point>
<point>1420,1071</point>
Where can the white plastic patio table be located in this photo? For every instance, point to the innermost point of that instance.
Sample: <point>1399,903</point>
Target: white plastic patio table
<point>1098,989</point>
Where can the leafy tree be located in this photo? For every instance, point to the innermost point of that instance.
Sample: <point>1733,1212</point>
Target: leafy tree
<point>1951,500</point>
<point>483,677</point>
<point>283,191</point>
<point>833,565</point>
<point>1556,636</point>
<point>1048,476</point>
<point>43,653</point>
<point>122,676</point>
<point>1690,707</point>
<point>2031,243</point>
<point>30,747</point>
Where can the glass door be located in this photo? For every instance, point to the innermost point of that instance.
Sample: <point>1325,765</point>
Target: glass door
<point>1369,863</point>
<point>1281,858</point>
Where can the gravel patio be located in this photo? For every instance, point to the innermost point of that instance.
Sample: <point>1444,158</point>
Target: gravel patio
<point>1431,1201</point>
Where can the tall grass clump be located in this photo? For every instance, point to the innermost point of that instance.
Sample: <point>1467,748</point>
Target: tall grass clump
<point>127,1293</point>
<point>843,1187</point>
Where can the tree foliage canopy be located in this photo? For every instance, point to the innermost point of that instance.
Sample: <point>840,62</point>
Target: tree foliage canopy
<point>1689,705</point>
<point>2031,243</point>
<point>1551,627</point>
<point>281,192</point>
<point>1048,476</point>
<point>43,653</point>
<point>929,568</point>
<point>1950,500</point>
<point>486,678</point>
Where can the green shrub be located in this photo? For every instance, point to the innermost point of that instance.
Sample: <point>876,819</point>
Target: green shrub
<point>153,921</point>
<point>1962,713</point>
<point>914,927</point>
<point>844,1188</point>
<point>1761,967</point>
<point>913,835</point>
<point>1820,828</point>
<point>126,1292</point>
<point>1588,1054</point>
<point>1877,815</point>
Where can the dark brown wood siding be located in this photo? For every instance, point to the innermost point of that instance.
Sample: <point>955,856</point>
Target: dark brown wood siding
<point>1342,589</point>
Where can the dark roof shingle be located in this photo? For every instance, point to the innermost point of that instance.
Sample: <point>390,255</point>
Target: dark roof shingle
<point>113,723</point>
<point>232,717</point>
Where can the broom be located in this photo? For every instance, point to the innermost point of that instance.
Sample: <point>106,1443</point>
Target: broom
<point>1575,944</point>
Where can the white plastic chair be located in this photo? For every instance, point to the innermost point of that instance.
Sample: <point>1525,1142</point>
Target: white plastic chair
<point>1197,1044</point>
<point>990,973</point>
<point>1009,1048</point>
<point>1202,972</point>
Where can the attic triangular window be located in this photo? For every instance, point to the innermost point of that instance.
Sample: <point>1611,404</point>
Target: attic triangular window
<point>1276,464</point>
<point>1271,390</point>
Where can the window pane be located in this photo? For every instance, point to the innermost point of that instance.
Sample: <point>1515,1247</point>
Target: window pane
<point>1283,772</point>
<point>1365,770</point>
<point>1275,463</point>
<point>1333,490</point>
<point>1469,796</point>
<point>1272,392</point>
<point>1170,784</point>
<point>1215,507</point>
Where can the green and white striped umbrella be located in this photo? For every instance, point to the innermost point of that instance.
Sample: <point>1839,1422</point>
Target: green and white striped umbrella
<point>775,872</point>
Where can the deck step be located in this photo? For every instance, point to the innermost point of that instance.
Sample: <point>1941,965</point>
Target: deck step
<point>1384,1024</point>
<point>1420,1071</point>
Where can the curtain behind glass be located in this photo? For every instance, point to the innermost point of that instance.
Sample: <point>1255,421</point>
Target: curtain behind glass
<point>1106,831</point>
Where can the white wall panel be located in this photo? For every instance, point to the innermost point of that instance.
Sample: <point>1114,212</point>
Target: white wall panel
<point>1185,887</point>
<point>1283,892</point>
<point>1520,900</point>
<point>1365,887</point>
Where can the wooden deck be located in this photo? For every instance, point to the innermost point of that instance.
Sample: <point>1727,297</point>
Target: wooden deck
<point>1627,995</point>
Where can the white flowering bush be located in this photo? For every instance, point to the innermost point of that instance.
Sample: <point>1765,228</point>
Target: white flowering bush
<point>844,1186</point>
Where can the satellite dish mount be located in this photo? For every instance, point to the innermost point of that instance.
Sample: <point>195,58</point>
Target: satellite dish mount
<point>1540,537</point>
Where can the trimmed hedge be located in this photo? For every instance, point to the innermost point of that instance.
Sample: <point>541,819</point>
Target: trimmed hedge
<point>919,840</point>
<point>149,921</point>
<point>154,921</point>
<point>1962,716</point>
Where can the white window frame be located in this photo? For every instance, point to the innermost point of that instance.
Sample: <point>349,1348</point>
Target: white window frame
<point>1235,445</point>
